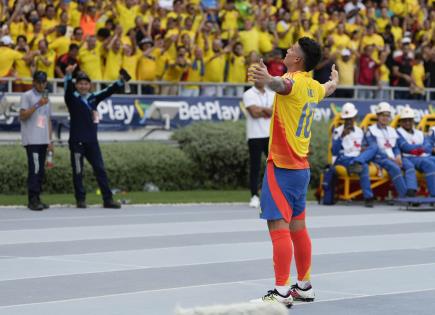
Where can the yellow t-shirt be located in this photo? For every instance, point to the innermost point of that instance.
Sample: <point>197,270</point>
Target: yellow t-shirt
<point>113,65</point>
<point>173,72</point>
<point>381,23</point>
<point>60,45</point>
<point>250,40</point>
<point>384,73</point>
<point>46,25</point>
<point>397,33</point>
<point>23,70</point>
<point>237,69</point>
<point>397,6</point>
<point>286,41</point>
<point>127,16</point>
<point>265,42</point>
<point>9,57</point>
<point>194,74</point>
<point>290,126</point>
<point>229,19</point>
<point>129,63</point>
<point>146,69</point>
<point>16,29</point>
<point>418,74</point>
<point>214,68</point>
<point>340,41</point>
<point>161,62</point>
<point>90,63</point>
<point>346,70</point>
<point>51,57</point>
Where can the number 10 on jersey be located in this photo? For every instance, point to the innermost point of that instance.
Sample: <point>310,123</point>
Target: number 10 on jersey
<point>306,120</point>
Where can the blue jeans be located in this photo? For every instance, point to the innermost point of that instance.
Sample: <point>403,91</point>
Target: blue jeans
<point>364,178</point>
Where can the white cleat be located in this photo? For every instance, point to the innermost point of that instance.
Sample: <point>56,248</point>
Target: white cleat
<point>273,296</point>
<point>255,202</point>
<point>305,295</point>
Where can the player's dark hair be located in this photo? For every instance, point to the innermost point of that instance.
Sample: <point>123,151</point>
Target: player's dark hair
<point>312,52</point>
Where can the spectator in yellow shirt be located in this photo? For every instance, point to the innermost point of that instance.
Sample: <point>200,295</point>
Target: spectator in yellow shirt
<point>113,57</point>
<point>77,36</point>
<point>250,37</point>
<point>90,59</point>
<point>267,41</point>
<point>236,71</point>
<point>285,31</point>
<point>35,36</point>
<point>195,73</point>
<point>49,22</point>
<point>384,74</point>
<point>383,20</point>
<point>61,44</point>
<point>397,30</point>
<point>340,39</point>
<point>418,76</point>
<point>214,68</point>
<point>175,69</point>
<point>228,17</point>
<point>46,59</point>
<point>347,66</point>
<point>9,57</point>
<point>23,65</point>
<point>127,11</point>
<point>147,65</point>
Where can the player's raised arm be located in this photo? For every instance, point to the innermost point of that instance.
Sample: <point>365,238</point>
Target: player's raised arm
<point>258,73</point>
<point>331,85</point>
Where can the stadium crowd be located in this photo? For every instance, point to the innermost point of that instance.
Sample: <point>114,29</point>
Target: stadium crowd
<point>373,43</point>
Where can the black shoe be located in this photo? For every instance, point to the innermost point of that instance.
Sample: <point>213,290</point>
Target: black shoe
<point>411,193</point>
<point>81,204</point>
<point>35,205</point>
<point>369,202</point>
<point>355,168</point>
<point>44,205</point>
<point>111,204</point>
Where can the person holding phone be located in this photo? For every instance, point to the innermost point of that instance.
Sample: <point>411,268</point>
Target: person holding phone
<point>83,142</point>
<point>36,136</point>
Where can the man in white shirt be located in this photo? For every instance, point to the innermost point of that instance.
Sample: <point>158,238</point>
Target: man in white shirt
<point>258,101</point>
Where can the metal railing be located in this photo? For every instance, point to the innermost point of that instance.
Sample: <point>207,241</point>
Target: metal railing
<point>137,88</point>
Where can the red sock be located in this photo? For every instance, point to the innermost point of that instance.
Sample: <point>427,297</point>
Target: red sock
<point>302,244</point>
<point>282,255</point>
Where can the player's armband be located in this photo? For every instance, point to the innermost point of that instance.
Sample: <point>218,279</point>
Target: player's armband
<point>288,84</point>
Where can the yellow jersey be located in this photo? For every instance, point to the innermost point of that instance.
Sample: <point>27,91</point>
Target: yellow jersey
<point>290,127</point>
<point>23,70</point>
<point>90,63</point>
<point>51,57</point>
<point>113,65</point>
<point>9,57</point>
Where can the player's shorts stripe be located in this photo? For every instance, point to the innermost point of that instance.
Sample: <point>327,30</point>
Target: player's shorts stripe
<point>277,195</point>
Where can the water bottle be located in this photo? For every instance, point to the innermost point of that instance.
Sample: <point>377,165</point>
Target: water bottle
<point>50,163</point>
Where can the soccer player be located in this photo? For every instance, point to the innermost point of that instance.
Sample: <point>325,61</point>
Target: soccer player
<point>288,172</point>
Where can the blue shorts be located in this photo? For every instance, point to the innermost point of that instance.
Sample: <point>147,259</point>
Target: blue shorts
<point>284,193</point>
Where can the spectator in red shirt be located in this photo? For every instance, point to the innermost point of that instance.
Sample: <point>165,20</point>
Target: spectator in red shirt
<point>274,65</point>
<point>368,72</point>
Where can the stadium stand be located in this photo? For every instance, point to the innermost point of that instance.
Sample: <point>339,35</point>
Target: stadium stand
<point>376,44</point>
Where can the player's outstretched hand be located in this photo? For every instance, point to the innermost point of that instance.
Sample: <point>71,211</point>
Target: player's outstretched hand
<point>70,69</point>
<point>334,74</point>
<point>258,73</point>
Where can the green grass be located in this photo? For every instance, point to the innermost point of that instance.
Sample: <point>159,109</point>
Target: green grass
<point>191,196</point>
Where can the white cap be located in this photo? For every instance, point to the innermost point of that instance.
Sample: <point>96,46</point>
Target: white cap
<point>348,111</point>
<point>407,112</point>
<point>6,40</point>
<point>406,40</point>
<point>345,52</point>
<point>383,107</point>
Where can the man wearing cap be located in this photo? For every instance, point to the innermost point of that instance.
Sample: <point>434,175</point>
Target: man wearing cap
<point>346,66</point>
<point>83,142</point>
<point>416,147</point>
<point>346,148</point>
<point>35,114</point>
<point>382,139</point>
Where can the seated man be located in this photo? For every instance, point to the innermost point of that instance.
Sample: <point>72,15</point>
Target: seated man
<point>383,140</point>
<point>416,148</point>
<point>346,147</point>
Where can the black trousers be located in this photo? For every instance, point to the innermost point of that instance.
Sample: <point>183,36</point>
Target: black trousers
<point>92,153</point>
<point>36,168</point>
<point>256,148</point>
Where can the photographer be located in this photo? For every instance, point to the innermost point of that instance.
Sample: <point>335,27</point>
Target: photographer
<point>83,142</point>
<point>35,113</point>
